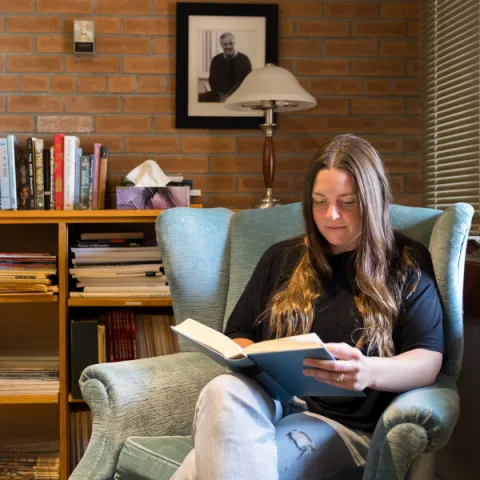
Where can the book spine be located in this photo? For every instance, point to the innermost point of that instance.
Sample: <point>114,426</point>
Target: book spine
<point>31,173</point>
<point>39,185</point>
<point>90,185</point>
<point>58,144</point>
<point>102,182</point>
<point>23,190</point>
<point>52,177</point>
<point>96,175</point>
<point>84,182</point>
<point>70,144</point>
<point>46,179</point>
<point>110,337</point>
<point>78,155</point>
<point>4,177</point>
<point>12,177</point>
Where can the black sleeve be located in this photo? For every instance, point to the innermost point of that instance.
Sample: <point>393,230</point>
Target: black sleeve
<point>251,304</point>
<point>420,323</point>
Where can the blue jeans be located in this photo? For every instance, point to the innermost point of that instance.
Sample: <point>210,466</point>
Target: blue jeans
<point>241,433</point>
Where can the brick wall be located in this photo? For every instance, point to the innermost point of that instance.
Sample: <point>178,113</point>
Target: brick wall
<point>358,58</point>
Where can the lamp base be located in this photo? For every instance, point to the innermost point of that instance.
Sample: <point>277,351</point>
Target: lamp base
<point>268,201</point>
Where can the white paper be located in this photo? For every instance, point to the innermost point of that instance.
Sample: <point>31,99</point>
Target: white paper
<point>148,174</point>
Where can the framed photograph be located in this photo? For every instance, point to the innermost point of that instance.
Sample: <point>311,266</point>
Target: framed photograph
<point>218,45</point>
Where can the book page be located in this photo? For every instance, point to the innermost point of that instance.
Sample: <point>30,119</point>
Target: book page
<point>209,337</point>
<point>298,342</point>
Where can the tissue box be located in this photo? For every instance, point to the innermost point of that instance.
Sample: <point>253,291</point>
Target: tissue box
<point>152,198</point>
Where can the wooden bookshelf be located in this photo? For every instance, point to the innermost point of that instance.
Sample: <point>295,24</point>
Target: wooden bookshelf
<point>30,227</point>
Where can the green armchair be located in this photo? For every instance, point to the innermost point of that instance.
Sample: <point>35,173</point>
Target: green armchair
<point>143,409</point>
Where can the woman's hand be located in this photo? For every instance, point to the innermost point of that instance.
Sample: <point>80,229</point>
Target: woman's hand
<point>350,370</point>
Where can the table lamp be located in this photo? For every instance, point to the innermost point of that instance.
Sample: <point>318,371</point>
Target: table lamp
<point>271,89</point>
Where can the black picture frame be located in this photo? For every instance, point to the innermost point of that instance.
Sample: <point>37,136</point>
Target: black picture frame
<point>188,14</point>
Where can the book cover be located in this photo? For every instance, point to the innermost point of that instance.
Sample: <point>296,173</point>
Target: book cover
<point>71,143</point>
<point>23,184</point>
<point>276,364</point>
<point>52,177</point>
<point>76,197</point>
<point>4,176</point>
<point>58,145</point>
<point>31,173</point>
<point>84,182</point>
<point>47,179</point>
<point>39,177</point>
<point>13,151</point>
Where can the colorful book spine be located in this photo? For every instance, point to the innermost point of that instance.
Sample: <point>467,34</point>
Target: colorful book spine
<point>52,178</point>
<point>23,186</point>
<point>46,179</point>
<point>58,141</point>
<point>4,177</point>
<point>12,151</point>
<point>90,187</point>
<point>102,182</point>
<point>70,144</point>
<point>39,177</point>
<point>84,182</point>
<point>78,155</point>
<point>96,174</point>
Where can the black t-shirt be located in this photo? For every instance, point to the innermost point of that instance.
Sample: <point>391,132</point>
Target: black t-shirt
<point>419,324</point>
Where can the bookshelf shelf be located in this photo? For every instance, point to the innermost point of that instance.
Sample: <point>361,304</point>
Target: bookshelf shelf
<point>74,400</point>
<point>27,399</point>
<point>29,298</point>
<point>118,302</point>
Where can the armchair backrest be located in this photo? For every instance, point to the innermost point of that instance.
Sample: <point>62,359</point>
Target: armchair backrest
<point>209,255</point>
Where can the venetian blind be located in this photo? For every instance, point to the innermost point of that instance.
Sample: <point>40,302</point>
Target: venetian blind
<point>451,103</point>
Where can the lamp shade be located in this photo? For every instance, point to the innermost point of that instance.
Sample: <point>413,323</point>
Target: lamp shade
<point>270,83</point>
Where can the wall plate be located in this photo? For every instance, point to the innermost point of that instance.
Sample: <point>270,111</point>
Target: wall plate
<point>84,37</point>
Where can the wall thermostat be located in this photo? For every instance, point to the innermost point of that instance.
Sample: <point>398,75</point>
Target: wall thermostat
<point>84,37</point>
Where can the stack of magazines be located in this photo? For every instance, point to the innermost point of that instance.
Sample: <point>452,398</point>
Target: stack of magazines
<point>34,460</point>
<point>27,375</point>
<point>118,265</point>
<point>22,273</point>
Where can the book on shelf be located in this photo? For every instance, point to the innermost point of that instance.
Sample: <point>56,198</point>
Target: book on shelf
<point>120,295</point>
<point>275,364</point>
<point>111,235</point>
<point>39,174</point>
<point>80,433</point>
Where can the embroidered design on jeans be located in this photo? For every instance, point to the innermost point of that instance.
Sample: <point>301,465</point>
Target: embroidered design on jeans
<point>302,441</point>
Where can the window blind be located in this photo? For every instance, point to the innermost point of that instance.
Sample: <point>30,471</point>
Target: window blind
<point>451,103</point>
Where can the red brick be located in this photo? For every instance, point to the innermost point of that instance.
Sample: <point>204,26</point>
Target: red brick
<point>310,144</point>
<point>322,86</point>
<point>322,67</point>
<point>15,44</point>
<point>34,83</point>
<point>122,84</point>
<point>164,7</point>
<point>93,104</point>
<point>375,67</point>
<point>153,104</point>
<point>63,84</point>
<point>17,6</point>
<point>377,106</point>
<point>114,142</point>
<point>285,28</point>
<point>322,28</point>
<point>351,124</point>
<point>149,26</point>
<point>2,103</point>
<point>397,183</point>
<point>208,144</point>
<point>123,7</point>
<point>387,144</point>
<point>123,123</point>
<point>403,164</point>
<point>401,10</point>
<point>91,84</point>
<point>413,68</point>
<point>164,46</point>
<point>235,164</point>
<point>330,106</point>
<point>289,124</point>
<point>16,123</point>
<point>351,48</point>
<point>414,183</point>
<point>414,106</point>
<point>292,164</point>
<point>9,83</point>
<point>406,87</point>
<point>61,6</point>
<point>413,145</point>
<point>300,48</point>
<point>214,183</point>
<point>33,24</point>
<point>92,64</point>
<point>255,183</point>
<point>377,87</point>
<point>286,63</point>
<point>412,200</point>
<point>149,65</point>
<point>352,10</point>
<point>123,45</point>
<point>168,163</point>
<point>232,200</point>
<point>152,144</point>
<point>103,25</point>
<point>65,124</point>
<point>349,86</point>
<point>401,125</point>
<point>54,44</point>
<point>255,144</point>
<point>171,84</point>
<point>151,84</point>
<point>300,9</point>
<point>414,29</point>
<point>24,103</point>
<point>166,123</point>
<point>379,28</point>
<point>399,48</point>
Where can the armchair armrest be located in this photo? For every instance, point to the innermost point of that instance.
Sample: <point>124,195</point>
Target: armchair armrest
<point>417,421</point>
<point>148,397</point>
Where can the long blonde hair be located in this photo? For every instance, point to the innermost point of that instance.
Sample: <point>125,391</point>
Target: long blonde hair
<point>378,293</point>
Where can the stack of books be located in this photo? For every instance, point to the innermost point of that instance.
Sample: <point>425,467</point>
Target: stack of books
<point>27,273</point>
<point>80,433</point>
<point>118,265</point>
<point>27,375</point>
<point>26,461</point>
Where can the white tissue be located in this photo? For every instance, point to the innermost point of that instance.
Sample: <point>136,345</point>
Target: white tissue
<point>148,174</point>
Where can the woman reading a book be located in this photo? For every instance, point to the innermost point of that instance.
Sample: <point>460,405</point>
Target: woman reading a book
<point>367,291</point>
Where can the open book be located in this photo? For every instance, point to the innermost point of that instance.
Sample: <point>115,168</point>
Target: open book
<point>276,364</point>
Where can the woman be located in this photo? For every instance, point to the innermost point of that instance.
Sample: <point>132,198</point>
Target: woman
<point>367,291</point>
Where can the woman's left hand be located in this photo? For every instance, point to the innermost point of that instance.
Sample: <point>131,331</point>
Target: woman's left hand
<point>350,370</point>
